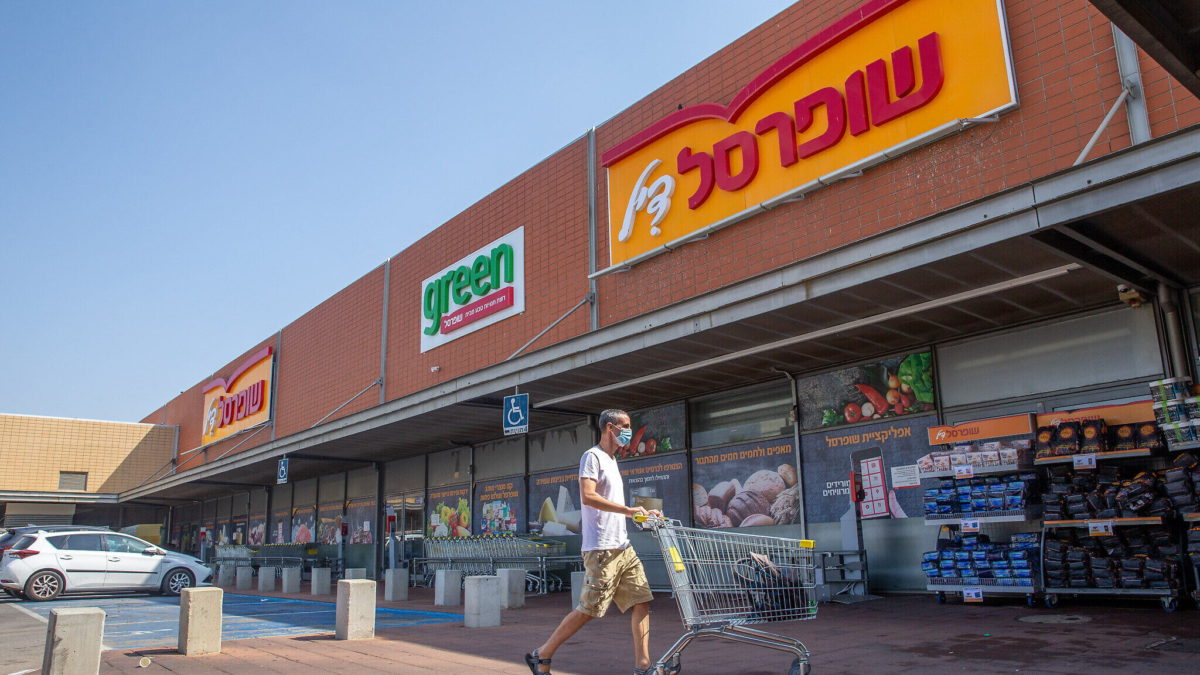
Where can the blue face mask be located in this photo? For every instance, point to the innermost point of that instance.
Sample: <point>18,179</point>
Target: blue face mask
<point>624,436</point>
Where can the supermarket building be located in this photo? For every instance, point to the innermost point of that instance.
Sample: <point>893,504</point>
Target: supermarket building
<point>855,223</point>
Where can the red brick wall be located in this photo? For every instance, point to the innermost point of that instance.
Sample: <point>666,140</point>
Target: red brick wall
<point>329,355</point>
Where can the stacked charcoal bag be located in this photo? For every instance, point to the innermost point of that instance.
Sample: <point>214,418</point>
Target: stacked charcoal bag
<point>1193,545</point>
<point>1133,557</point>
<point>1180,483</point>
<point>972,559</point>
<point>1082,495</point>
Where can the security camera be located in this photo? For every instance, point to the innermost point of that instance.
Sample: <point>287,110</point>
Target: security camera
<point>435,369</point>
<point>1130,296</point>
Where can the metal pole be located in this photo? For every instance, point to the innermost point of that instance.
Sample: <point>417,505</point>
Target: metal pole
<point>1131,78</point>
<point>591,178</point>
<point>803,514</point>
<point>1172,327</point>
<point>383,331</point>
<point>1103,125</point>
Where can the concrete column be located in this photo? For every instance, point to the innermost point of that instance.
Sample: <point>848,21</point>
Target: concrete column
<point>320,581</point>
<point>245,578</point>
<point>576,587</point>
<point>395,584</point>
<point>512,588</point>
<point>291,579</point>
<point>355,609</point>
<point>356,573</point>
<point>446,588</point>
<point>73,641</point>
<point>200,614</point>
<point>225,575</point>
<point>266,578</point>
<point>482,602</point>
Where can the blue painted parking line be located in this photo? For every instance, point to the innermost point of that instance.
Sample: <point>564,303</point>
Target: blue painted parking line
<point>139,622</point>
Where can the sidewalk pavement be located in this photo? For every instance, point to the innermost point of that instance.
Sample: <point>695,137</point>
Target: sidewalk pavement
<point>897,634</point>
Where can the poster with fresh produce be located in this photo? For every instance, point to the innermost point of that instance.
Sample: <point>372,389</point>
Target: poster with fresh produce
<point>656,431</point>
<point>830,456</point>
<point>745,485</point>
<point>256,532</point>
<point>360,516</point>
<point>449,512</point>
<point>281,526</point>
<point>892,388</point>
<point>554,506</point>
<point>658,484</point>
<point>329,522</point>
<point>304,525</point>
<point>500,505</point>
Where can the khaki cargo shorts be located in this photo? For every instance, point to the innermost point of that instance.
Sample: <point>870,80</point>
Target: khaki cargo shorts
<point>612,575</point>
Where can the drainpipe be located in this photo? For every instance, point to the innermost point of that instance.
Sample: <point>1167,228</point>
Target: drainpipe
<point>796,447</point>
<point>1173,327</point>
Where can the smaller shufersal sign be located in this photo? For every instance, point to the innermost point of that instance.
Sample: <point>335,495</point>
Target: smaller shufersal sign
<point>479,290</point>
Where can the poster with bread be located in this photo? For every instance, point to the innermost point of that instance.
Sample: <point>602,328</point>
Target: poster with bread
<point>745,485</point>
<point>554,506</point>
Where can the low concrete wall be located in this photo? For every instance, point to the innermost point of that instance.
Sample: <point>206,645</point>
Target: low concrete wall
<point>355,609</point>
<point>200,616</point>
<point>481,602</point>
<point>73,641</point>
<point>395,584</point>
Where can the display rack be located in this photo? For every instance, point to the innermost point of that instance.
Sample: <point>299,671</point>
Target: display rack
<point>1100,456</point>
<point>1194,518</point>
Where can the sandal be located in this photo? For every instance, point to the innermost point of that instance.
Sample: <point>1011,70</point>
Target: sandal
<point>534,660</point>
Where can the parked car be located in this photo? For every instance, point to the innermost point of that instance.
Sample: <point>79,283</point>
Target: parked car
<point>10,535</point>
<point>43,564</point>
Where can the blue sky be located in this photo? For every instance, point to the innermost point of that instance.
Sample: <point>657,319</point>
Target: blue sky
<point>179,180</point>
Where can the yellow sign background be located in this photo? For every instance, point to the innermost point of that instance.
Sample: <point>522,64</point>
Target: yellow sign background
<point>977,81</point>
<point>257,368</point>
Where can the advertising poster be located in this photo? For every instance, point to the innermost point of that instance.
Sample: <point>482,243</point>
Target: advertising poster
<point>304,525</point>
<point>256,534</point>
<point>223,537</point>
<point>500,505</point>
<point>872,451</point>
<point>554,503</point>
<point>745,485</point>
<point>892,388</point>
<point>281,526</point>
<point>656,431</point>
<point>210,527</point>
<point>658,484</point>
<point>238,531</point>
<point>329,522</point>
<point>360,515</point>
<point>449,512</point>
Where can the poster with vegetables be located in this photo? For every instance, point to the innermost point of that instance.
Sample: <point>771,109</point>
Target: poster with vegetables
<point>745,485</point>
<point>360,514</point>
<point>304,525</point>
<point>500,505</point>
<point>892,388</point>
<point>658,484</point>
<point>449,512</point>
<point>281,526</point>
<point>656,431</point>
<point>329,522</point>
<point>554,506</point>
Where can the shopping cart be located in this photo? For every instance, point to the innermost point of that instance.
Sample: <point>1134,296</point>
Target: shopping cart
<point>725,581</point>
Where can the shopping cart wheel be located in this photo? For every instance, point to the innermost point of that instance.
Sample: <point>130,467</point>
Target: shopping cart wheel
<point>1031,600</point>
<point>673,666</point>
<point>1051,601</point>
<point>800,668</point>
<point>1169,604</point>
<point>941,598</point>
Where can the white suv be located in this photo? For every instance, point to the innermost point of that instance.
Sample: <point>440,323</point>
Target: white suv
<point>41,565</point>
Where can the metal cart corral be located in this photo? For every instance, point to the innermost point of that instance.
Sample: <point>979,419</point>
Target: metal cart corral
<point>542,559</point>
<point>725,581</point>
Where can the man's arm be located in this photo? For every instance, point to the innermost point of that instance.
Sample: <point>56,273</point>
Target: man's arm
<point>587,492</point>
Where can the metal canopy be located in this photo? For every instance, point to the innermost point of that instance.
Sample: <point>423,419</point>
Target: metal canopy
<point>1168,30</point>
<point>1047,250</point>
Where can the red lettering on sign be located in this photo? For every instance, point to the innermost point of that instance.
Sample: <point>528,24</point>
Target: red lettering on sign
<point>485,306</point>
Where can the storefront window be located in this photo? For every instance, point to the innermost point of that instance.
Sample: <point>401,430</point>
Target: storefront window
<point>742,415</point>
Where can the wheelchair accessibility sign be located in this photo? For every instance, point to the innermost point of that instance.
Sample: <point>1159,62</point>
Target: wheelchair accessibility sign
<point>516,414</point>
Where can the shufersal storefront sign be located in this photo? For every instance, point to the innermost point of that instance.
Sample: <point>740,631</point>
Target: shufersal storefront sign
<point>891,75</point>
<point>239,402</point>
<point>484,287</point>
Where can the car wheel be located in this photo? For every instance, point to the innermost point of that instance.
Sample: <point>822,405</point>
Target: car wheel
<point>43,586</point>
<point>177,580</point>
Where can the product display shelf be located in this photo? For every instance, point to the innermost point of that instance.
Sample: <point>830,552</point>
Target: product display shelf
<point>985,587</point>
<point>1179,447</point>
<point>1194,518</point>
<point>1013,516</point>
<point>1168,597</point>
<point>981,470</point>
<point>1100,456</point>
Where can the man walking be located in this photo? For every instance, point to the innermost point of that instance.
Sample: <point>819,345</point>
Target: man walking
<point>613,572</point>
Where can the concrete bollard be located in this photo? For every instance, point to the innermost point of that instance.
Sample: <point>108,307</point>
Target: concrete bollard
<point>291,579</point>
<point>225,575</point>
<point>200,614</point>
<point>395,584</point>
<point>355,609</point>
<point>245,578</point>
<point>446,588</point>
<point>266,579</point>
<point>481,602</point>
<point>576,587</point>
<point>73,641</point>
<point>356,573</point>
<point>512,588</point>
<point>320,581</point>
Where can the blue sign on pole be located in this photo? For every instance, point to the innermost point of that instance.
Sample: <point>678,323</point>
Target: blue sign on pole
<point>516,414</point>
<point>281,474</point>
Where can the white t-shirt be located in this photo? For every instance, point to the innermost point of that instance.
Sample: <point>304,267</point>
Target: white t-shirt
<point>603,530</point>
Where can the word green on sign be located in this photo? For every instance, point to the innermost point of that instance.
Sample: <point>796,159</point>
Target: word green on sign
<point>484,274</point>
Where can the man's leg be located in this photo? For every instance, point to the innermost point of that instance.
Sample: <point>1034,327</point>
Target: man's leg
<point>639,622</point>
<point>570,624</point>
